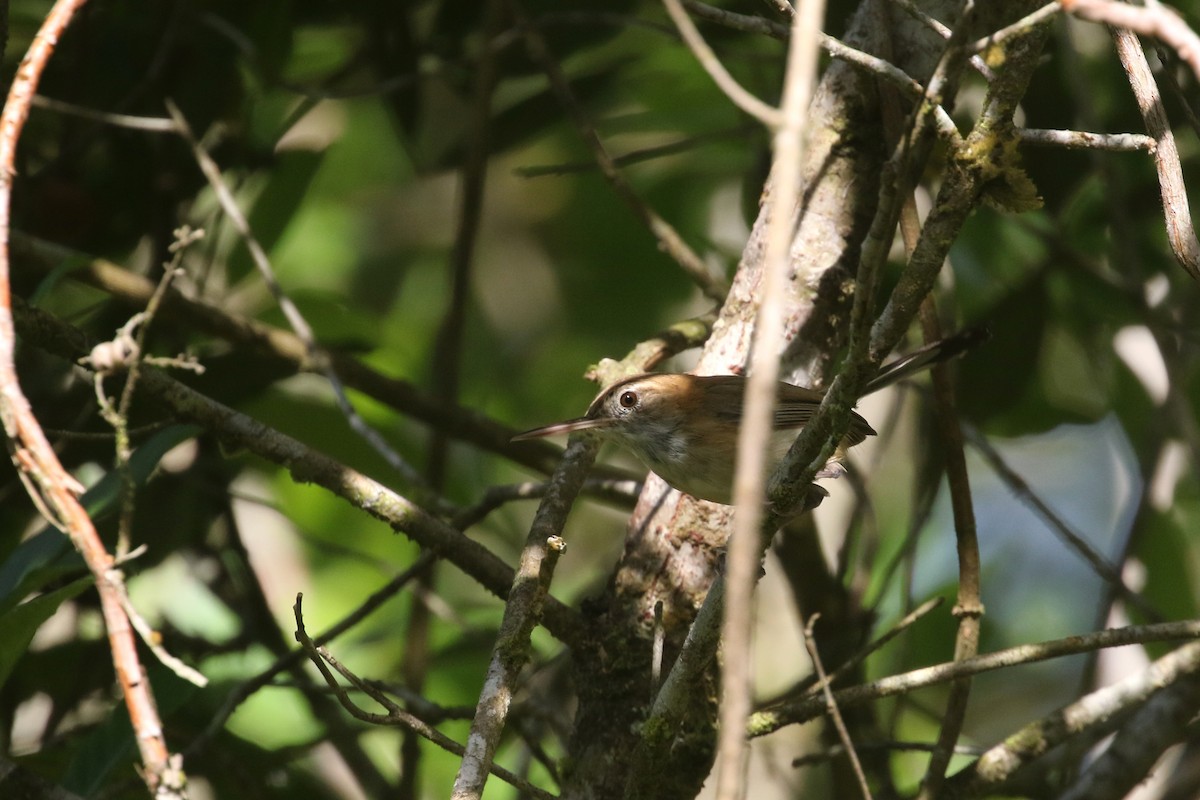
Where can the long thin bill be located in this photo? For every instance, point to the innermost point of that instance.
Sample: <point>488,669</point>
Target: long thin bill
<point>570,426</point>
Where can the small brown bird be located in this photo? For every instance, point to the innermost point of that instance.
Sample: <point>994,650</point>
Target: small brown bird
<point>685,427</point>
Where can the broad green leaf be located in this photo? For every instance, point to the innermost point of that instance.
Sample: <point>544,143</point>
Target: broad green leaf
<point>18,625</point>
<point>48,555</point>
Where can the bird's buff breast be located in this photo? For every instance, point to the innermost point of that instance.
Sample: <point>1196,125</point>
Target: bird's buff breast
<point>684,464</point>
<point>693,468</point>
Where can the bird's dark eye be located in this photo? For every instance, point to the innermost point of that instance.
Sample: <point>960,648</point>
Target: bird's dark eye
<point>628,399</point>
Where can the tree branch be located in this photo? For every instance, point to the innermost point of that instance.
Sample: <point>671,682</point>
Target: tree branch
<point>53,489</point>
<point>813,706</point>
<point>306,465</point>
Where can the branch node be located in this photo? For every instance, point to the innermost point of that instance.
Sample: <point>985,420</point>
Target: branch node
<point>967,610</point>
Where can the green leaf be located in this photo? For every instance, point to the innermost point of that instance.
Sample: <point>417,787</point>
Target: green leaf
<point>276,205</point>
<point>48,556</point>
<point>18,625</point>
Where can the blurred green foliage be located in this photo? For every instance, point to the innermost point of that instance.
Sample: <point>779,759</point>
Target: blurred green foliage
<point>342,129</point>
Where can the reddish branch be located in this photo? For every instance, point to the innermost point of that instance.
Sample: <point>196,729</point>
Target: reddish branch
<point>53,489</point>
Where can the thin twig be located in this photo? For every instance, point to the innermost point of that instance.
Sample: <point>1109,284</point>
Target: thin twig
<point>831,706</point>
<point>150,124</point>
<point>446,358</point>
<point>668,238</point>
<point>51,486</point>
<point>1086,140</point>
<point>317,357</point>
<point>1183,101</point>
<point>919,14</point>
<point>287,348</point>
<point>1021,488</point>
<point>1023,25</point>
<point>748,540</point>
<point>1163,720</point>
<point>530,588</point>
<point>1091,717</point>
<point>765,113</point>
<point>812,685</point>
<point>496,496</point>
<point>1153,19</point>
<point>969,606</point>
<point>943,31</point>
<point>309,466</point>
<point>641,155</point>
<point>118,416</point>
<point>264,678</point>
<point>1181,233</point>
<point>323,660</point>
<point>838,751</point>
<point>153,641</point>
<point>836,48</point>
<point>768,721</point>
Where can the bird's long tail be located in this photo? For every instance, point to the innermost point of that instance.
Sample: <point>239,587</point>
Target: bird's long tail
<point>927,356</point>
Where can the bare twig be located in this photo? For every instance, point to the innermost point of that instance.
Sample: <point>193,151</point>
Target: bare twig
<point>285,662</point>
<point>831,707</point>
<point>668,238</point>
<point>1182,99</point>
<point>52,487</point>
<point>1098,562</point>
<point>836,48</point>
<point>919,14</point>
<point>1139,742</point>
<point>640,155</point>
<point>309,466</point>
<point>1086,140</point>
<point>446,361</point>
<point>323,660</point>
<point>747,541</point>
<point>150,124</point>
<point>317,357</point>
<point>153,641</point>
<point>811,707</point>
<point>837,751</point>
<point>285,346</point>
<point>852,663</point>
<point>126,353</point>
<point>969,606</point>
<point>530,588</point>
<point>943,31</point>
<point>1156,20</point>
<point>1091,717</point>
<point>1023,25</point>
<point>764,112</point>
<point>497,496</point>
<point>1181,233</point>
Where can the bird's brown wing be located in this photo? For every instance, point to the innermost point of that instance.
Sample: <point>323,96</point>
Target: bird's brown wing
<point>796,406</point>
